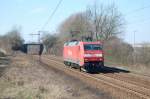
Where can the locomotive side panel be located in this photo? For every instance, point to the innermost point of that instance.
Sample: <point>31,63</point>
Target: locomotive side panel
<point>71,54</point>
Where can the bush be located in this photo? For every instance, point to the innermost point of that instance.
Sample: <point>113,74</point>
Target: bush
<point>12,40</point>
<point>117,50</point>
<point>2,54</point>
<point>142,55</point>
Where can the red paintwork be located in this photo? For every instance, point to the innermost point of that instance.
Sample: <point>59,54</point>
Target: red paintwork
<point>75,53</point>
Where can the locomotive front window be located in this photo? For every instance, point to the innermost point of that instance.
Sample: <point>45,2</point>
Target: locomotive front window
<point>92,47</point>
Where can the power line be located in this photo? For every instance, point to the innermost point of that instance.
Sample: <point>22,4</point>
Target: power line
<point>140,22</point>
<point>137,10</point>
<point>38,34</point>
<point>52,14</point>
<point>49,18</point>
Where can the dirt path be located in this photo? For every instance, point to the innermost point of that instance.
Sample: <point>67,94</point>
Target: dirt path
<point>29,79</point>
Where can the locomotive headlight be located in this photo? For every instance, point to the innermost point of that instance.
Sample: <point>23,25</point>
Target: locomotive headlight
<point>87,55</point>
<point>99,55</point>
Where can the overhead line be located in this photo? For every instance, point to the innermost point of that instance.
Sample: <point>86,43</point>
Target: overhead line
<point>52,14</point>
<point>136,10</point>
<point>139,22</point>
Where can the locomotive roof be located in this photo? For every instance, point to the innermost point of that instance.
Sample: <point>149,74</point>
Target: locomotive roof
<point>96,42</point>
<point>71,43</point>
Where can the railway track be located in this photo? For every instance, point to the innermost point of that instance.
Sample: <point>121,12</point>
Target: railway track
<point>129,87</point>
<point>142,81</point>
<point>131,79</point>
<point>133,74</point>
<point>125,84</point>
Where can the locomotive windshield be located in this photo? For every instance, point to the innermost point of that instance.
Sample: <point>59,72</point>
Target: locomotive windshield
<point>92,47</point>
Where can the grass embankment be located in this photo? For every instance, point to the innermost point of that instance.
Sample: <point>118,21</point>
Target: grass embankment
<point>134,67</point>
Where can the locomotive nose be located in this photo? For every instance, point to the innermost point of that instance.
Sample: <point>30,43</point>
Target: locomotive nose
<point>91,56</point>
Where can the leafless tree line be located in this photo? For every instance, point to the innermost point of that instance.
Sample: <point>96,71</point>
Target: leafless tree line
<point>12,40</point>
<point>99,22</point>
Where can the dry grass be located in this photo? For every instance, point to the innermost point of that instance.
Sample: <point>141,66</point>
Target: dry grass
<point>26,79</point>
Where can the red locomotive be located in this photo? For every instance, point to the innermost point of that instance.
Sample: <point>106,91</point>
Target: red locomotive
<point>85,55</point>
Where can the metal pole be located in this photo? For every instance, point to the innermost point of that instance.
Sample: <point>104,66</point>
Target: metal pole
<point>39,36</point>
<point>39,43</point>
<point>134,55</point>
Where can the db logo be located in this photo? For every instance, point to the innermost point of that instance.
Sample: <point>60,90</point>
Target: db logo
<point>69,52</point>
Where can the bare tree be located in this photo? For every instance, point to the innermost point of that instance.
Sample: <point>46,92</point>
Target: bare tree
<point>49,41</point>
<point>118,51</point>
<point>143,54</point>
<point>99,21</point>
<point>15,39</point>
<point>11,40</point>
<point>106,20</point>
<point>76,26</point>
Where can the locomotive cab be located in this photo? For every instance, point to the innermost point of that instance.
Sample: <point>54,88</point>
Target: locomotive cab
<point>93,55</point>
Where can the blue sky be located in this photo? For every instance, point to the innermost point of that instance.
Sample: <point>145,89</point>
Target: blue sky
<point>32,14</point>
